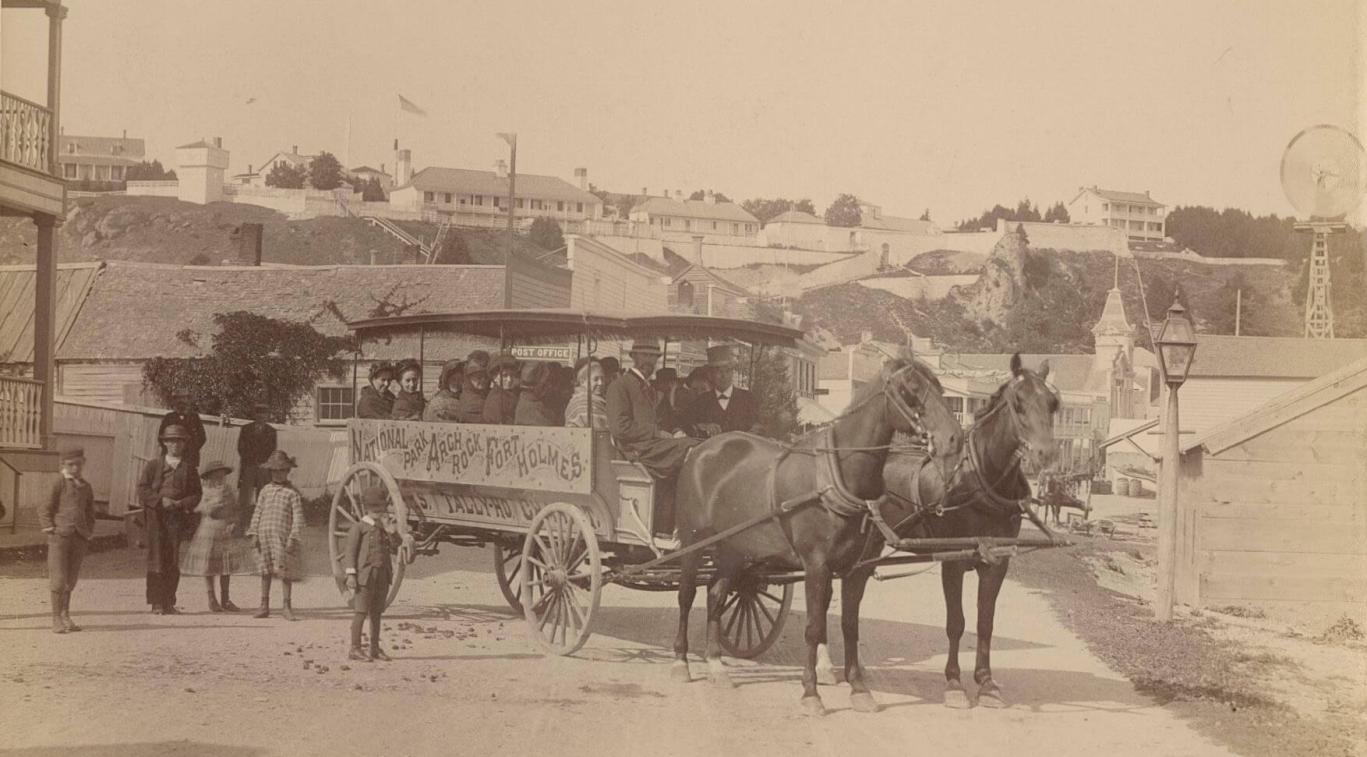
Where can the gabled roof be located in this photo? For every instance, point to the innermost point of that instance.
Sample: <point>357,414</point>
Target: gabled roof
<point>136,310</point>
<point>131,149</point>
<point>720,211</point>
<point>467,181</point>
<point>200,143</point>
<point>1066,372</point>
<point>16,305</point>
<point>1285,357</point>
<point>696,272</point>
<point>1118,196</point>
<point>797,216</point>
<point>1284,409</point>
<point>368,169</point>
<point>896,223</point>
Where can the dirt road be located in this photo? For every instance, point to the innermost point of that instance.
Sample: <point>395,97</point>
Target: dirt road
<point>465,680</point>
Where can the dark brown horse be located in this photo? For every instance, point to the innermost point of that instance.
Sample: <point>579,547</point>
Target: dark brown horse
<point>986,498</point>
<point>820,487</point>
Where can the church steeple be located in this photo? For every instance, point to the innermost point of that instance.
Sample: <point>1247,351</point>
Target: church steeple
<point>1113,322</point>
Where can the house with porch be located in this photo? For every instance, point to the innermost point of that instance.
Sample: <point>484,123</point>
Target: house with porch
<point>32,186</point>
<point>98,163</point>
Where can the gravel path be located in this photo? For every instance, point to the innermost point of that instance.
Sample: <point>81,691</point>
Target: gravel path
<point>466,680</point>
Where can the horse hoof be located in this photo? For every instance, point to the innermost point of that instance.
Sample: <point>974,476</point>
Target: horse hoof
<point>991,699</point>
<point>862,701</point>
<point>813,706</point>
<point>721,680</point>
<point>826,677</point>
<point>679,672</point>
<point>956,699</point>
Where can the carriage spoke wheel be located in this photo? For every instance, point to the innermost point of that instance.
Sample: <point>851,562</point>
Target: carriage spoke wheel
<point>752,616</point>
<point>562,578</point>
<point>508,570</point>
<point>347,509</point>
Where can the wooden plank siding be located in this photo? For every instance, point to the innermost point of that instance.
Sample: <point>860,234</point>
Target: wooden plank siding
<point>1210,401</point>
<point>1279,520</point>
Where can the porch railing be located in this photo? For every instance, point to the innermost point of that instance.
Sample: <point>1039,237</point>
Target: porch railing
<point>25,133</point>
<point>20,411</point>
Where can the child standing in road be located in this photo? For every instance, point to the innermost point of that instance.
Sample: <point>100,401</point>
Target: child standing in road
<point>277,530</point>
<point>370,570</point>
<point>214,551</point>
<point>68,519</point>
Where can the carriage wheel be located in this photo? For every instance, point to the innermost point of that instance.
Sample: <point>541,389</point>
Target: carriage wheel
<point>752,616</point>
<point>508,570</point>
<point>562,548</point>
<point>347,509</point>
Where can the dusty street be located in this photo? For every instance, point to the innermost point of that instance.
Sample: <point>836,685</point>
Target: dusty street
<point>465,680</point>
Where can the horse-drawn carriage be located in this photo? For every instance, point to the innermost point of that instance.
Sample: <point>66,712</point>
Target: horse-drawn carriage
<point>567,515</point>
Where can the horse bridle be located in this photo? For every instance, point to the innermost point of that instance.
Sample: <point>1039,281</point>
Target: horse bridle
<point>910,414</point>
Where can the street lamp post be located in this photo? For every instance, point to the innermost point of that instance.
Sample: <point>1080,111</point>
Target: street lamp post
<point>1176,344</point>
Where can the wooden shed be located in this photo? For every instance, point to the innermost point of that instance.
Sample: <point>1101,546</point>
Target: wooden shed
<point>1273,505</point>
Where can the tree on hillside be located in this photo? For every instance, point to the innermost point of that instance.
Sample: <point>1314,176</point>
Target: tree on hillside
<point>1025,210</point>
<point>699,194</point>
<point>251,359</point>
<point>1057,213</point>
<point>145,171</point>
<point>925,215</point>
<point>325,171</point>
<point>285,176</point>
<point>372,191</point>
<point>844,211</point>
<point>1234,233</point>
<point>545,233</point>
<point>767,210</point>
<point>774,392</point>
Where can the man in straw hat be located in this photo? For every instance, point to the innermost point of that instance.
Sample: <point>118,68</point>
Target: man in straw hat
<point>255,442</point>
<point>168,490</point>
<point>183,414</point>
<point>726,407</point>
<point>631,420</point>
<point>67,516</point>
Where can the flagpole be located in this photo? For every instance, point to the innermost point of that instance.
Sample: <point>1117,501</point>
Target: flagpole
<point>511,139</point>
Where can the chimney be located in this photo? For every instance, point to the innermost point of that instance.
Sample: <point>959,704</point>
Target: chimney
<point>295,149</point>
<point>679,195</point>
<point>249,244</point>
<point>374,254</point>
<point>403,167</point>
<point>697,249</point>
<point>125,134</point>
<point>709,198</point>
<point>382,168</point>
<point>501,168</point>
<point>218,141</point>
<point>582,174</point>
<point>249,168</point>
<point>645,191</point>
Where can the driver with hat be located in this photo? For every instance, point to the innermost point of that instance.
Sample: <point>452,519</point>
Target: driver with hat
<point>726,407</point>
<point>632,421</point>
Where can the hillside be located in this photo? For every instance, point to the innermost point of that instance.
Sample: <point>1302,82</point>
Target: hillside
<point>1047,301</point>
<point>165,230</point>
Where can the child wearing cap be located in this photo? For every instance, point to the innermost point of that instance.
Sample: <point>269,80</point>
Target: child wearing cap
<point>370,570</point>
<point>213,551</point>
<point>67,516</point>
<point>277,531</point>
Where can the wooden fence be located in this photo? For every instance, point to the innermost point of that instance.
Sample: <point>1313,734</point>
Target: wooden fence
<point>119,440</point>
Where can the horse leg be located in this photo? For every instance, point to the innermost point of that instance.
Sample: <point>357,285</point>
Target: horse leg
<point>716,594</point>
<point>688,589</point>
<point>851,594</point>
<point>990,580</point>
<point>952,581</point>
<point>825,669</point>
<point>818,586</point>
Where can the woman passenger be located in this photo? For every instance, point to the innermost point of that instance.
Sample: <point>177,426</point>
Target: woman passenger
<point>408,406</point>
<point>588,393</point>
<point>535,406</point>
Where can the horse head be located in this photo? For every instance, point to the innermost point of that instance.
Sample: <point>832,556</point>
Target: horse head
<point>1027,404</point>
<point>918,408</point>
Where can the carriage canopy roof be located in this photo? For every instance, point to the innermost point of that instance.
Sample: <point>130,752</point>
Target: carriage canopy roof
<point>532,325</point>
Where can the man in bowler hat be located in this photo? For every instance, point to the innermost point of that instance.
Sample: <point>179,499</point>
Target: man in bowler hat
<point>168,490</point>
<point>726,407</point>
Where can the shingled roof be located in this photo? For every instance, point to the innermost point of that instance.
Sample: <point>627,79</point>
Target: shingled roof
<point>16,305</point>
<point>136,310</point>
<point>1117,196</point>
<point>1272,356</point>
<point>719,211</point>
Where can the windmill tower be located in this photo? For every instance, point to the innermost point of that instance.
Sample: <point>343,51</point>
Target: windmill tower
<point>1324,176</point>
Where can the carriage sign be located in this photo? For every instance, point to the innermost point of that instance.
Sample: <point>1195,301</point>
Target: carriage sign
<point>543,458</point>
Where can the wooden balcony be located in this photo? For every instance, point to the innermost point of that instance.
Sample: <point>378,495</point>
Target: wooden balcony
<point>28,179</point>
<point>20,413</point>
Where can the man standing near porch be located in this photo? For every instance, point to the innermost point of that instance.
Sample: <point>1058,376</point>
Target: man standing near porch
<point>255,443</point>
<point>168,490</point>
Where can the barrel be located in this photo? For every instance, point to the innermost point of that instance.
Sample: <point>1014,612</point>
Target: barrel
<point>1122,487</point>
<point>1136,488</point>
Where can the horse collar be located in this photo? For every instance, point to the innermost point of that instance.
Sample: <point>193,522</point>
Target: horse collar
<point>835,496</point>
<point>990,489</point>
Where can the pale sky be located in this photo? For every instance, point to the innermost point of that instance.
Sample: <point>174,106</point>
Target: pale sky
<point>948,105</point>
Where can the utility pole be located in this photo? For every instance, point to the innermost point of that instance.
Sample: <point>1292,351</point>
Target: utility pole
<point>511,139</point>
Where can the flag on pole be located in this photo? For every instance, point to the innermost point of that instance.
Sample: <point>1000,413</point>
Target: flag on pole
<point>408,106</point>
<point>511,139</point>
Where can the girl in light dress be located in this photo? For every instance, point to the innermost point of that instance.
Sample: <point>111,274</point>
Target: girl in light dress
<point>214,551</point>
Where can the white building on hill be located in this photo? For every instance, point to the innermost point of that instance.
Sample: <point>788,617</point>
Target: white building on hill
<point>1138,215</point>
<point>480,198</point>
<point>678,219</point>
